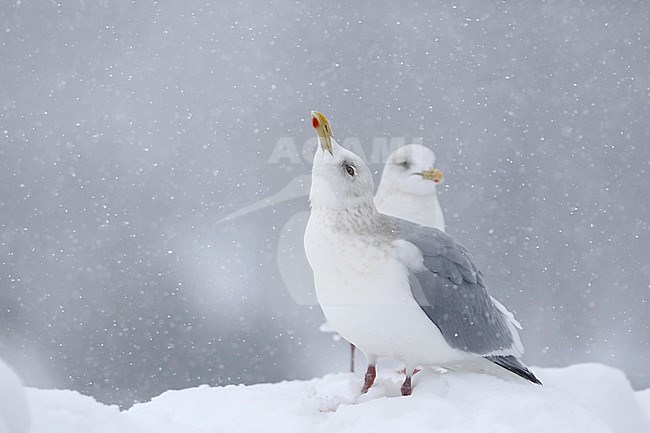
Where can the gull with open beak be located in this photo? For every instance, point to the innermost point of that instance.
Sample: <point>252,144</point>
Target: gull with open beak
<point>368,266</point>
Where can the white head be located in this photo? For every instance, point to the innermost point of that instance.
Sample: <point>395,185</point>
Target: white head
<point>339,177</point>
<point>411,169</point>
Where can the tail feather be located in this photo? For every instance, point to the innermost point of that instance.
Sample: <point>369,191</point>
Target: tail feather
<point>513,365</point>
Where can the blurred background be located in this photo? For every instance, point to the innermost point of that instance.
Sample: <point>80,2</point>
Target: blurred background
<point>128,130</point>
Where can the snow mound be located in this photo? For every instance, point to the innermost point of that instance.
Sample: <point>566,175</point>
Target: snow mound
<point>643,397</point>
<point>580,398</point>
<point>14,408</point>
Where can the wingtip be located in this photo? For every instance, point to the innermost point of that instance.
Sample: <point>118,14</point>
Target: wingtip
<point>513,365</point>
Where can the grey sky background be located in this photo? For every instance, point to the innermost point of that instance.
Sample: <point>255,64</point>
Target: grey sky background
<point>129,129</point>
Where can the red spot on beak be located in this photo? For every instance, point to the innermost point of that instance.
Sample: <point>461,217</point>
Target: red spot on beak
<point>436,181</point>
<point>314,122</point>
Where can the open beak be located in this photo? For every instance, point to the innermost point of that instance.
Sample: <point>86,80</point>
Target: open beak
<point>432,174</point>
<point>323,130</point>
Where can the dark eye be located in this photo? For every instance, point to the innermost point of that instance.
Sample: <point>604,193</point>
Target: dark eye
<point>405,164</point>
<point>349,169</point>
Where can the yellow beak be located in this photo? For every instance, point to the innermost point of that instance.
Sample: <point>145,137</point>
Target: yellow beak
<point>323,130</point>
<point>432,174</point>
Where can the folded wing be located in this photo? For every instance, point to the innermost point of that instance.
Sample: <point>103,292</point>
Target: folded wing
<point>450,290</point>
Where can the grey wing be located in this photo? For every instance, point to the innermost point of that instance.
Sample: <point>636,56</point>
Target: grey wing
<point>450,290</point>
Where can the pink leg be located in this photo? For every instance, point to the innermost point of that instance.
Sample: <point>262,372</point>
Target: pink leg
<point>407,389</point>
<point>371,374</point>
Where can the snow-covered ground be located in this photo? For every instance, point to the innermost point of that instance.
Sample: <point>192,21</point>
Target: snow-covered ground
<point>14,408</point>
<point>582,398</point>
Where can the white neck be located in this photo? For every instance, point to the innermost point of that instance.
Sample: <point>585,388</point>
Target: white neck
<point>423,210</point>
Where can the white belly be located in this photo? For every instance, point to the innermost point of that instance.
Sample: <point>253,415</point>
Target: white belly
<point>401,332</point>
